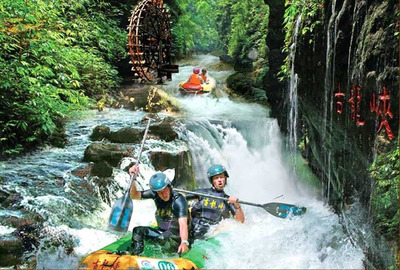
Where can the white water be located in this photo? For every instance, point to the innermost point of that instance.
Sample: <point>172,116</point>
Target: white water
<point>250,146</point>
<point>218,130</point>
<point>293,98</point>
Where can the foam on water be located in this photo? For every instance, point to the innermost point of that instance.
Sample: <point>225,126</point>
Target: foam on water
<point>217,129</point>
<point>315,240</point>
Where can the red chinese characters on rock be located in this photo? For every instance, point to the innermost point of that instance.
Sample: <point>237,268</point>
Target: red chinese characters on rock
<point>355,100</point>
<point>382,109</point>
<point>339,103</point>
<point>380,105</point>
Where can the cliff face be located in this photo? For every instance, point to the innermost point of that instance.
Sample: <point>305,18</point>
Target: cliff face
<point>347,90</point>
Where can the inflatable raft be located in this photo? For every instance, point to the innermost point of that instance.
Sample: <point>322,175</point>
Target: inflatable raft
<point>116,256</point>
<point>186,88</point>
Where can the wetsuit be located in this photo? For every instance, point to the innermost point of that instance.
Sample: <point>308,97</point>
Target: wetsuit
<point>208,211</point>
<point>167,216</point>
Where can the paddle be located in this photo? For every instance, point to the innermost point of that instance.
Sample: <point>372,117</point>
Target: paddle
<point>121,213</point>
<point>281,210</point>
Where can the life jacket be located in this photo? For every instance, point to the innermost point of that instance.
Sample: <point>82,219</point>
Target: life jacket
<point>213,210</point>
<point>204,77</point>
<point>195,79</point>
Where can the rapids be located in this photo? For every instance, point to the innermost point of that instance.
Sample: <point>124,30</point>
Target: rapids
<point>216,129</point>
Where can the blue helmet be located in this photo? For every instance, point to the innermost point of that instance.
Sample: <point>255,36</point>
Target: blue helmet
<point>159,181</point>
<point>214,170</point>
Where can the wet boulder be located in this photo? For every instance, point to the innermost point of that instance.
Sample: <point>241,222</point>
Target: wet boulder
<point>10,199</point>
<point>181,162</point>
<point>258,95</point>
<point>148,98</point>
<point>102,169</point>
<point>25,238</point>
<point>111,153</point>
<point>83,171</point>
<point>3,196</point>
<point>11,252</point>
<point>126,135</point>
<point>106,189</point>
<point>158,100</point>
<point>134,96</point>
<point>164,130</point>
<point>81,188</point>
<point>100,132</point>
<point>240,83</point>
<point>29,235</point>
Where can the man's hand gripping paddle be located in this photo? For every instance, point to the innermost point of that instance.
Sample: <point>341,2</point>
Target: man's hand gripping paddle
<point>121,213</point>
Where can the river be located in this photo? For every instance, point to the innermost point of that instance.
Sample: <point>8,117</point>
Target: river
<point>216,129</point>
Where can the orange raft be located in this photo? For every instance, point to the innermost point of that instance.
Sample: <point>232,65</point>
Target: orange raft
<point>194,89</point>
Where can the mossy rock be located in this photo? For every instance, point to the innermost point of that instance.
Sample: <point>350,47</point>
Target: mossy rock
<point>100,132</point>
<point>240,83</point>
<point>158,100</point>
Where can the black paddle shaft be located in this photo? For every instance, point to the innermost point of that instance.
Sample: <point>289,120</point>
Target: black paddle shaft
<point>281,210</point>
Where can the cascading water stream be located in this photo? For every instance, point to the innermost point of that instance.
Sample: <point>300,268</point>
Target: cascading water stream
<point>293,98</point>
<point>259,174</point>
<point>349,59</point>
<point>328,90</point>
<point>237,134</point>
<point>242,137</point>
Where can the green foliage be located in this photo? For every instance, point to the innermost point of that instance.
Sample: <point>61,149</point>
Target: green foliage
<point>233,28</point>
<point>195,28</point>
<point>385,196</point>
<point>248,30</point>
<point>55,56</point>
<point>311,16</point>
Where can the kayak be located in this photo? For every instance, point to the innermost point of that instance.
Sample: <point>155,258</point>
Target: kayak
<point>201,251</point>
<point>195,89</point>
<point>115,256</point>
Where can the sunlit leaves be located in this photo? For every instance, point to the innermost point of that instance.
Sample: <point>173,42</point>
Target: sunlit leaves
<point>53,55</point>
<point>311,14</point>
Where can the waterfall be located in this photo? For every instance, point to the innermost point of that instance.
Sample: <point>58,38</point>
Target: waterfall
<point>349,64</point>
<point>237,134</point>
<point>329,85</point>
<point>293,99</point>
<point>258,173</point>
<point>328,100</point>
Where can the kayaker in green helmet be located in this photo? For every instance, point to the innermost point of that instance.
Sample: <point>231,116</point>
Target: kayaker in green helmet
<point>207,211</point>
<point>171,215</point>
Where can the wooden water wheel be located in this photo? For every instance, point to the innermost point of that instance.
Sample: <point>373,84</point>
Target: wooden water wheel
<point>150,41</point>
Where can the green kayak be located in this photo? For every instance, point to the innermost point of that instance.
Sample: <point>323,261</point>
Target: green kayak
<point>116,256</point>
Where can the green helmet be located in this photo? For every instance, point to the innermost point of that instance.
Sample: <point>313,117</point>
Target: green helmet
<point>159,181</point>
<point>214,170</point>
